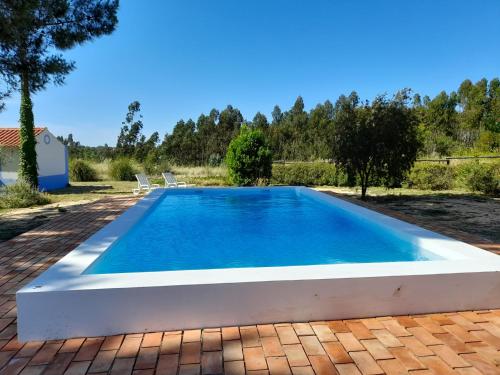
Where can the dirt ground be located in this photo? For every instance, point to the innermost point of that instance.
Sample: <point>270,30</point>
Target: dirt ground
<point>470,213</point>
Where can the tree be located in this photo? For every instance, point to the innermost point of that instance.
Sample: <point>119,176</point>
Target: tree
<point>492,121</point>
<point>294,128</point>
<point>277,115</point>
<point>130,133</point>
<point>3,95</point>
<point>319,131</point>
<point>260,122</point>
<point>144,147</point>
<point>377,142</point>
<point>441,114</point>
<point>248,158</point>
<point>206,136</point>
<point>230,120</point>
<point>30,33</point>
<point>182,146</point>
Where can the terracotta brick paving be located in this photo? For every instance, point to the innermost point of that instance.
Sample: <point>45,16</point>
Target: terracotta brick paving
<point>466,343</point>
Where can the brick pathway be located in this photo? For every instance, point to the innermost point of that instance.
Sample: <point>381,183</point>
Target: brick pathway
<point>465,343</point>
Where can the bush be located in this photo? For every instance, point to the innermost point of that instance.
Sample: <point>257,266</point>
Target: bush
<point>154,165</point>
<point>122,170</point>
<point>431,177</point>
<point>81,170</point>
<point>483,177</point>
<point>214,160</point>
<point>20,195</point>
<point>249,159</point>
<point>309,174</point>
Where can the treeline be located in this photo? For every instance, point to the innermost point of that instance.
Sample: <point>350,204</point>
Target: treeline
<point>464,121</point>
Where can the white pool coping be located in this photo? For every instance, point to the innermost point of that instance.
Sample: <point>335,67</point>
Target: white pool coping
<point>57,303</point>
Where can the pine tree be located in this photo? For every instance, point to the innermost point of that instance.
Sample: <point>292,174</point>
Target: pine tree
<point>30,32</point>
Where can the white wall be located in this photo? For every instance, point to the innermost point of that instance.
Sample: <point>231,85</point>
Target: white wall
<point>50,155</point>
<point>51,158</point>
<point>9,165</point>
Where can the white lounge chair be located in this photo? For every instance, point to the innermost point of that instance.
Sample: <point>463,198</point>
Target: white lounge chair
<point>171,181</point>
<point>144,184</point>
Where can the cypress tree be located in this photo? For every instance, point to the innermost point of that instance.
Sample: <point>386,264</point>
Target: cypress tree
<point>27,151</point>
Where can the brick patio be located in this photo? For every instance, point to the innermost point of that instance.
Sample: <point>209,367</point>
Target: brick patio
<point>465,343</point>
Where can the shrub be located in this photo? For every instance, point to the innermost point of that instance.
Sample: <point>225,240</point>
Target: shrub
<point>81,170</point>
<point>431,177</point>
<point>20,195</point>
<point>154,165</point>
<point>483,177</point>
<point>310,174</point>
<point>443,145</point>
<point>488,141</point>
<point>122,170</point>
<point>214,160</point>
<point>248,158</point>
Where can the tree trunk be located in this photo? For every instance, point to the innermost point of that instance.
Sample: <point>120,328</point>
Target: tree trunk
<point>364,185</point>
<point>363,191</point>
<point>27,152</point>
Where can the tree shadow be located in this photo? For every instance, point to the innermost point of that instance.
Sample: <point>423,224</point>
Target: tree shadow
<point>18,224</point>
<point>86,189</point>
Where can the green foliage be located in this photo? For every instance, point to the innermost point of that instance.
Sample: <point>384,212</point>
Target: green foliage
<point>307,174</point>
<point>431,177</point>
<point>482,177</point>
<point>122,169</point>
<point>21,194</point>
<point>488,141</point>
<point>145,147</point>
<point>378,142</point>
<point>459,120</point>
<point>154,165</point>
<point>81,170</point>
<point>28,169</point>
<point>202,142</point>
<point>465,122</point>
<point>3,95</point>
<point>79,151</point>
<point>248,158</point>
<point>215,160</point>
<point>31,31</point>
<point>131,140</point>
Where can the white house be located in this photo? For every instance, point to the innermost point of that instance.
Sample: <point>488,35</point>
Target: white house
<point>52,158</point>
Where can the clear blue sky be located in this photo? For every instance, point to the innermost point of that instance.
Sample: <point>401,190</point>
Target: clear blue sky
<point>180,58</point>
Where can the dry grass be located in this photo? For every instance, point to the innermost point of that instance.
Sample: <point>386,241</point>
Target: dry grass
<point>205,171</point>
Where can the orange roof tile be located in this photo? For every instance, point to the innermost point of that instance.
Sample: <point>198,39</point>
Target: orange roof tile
<point>9,137</point>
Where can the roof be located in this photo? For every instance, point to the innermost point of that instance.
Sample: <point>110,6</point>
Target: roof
<point>9,137</point>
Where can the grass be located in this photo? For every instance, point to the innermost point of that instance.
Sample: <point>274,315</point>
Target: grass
<point>196,172</point>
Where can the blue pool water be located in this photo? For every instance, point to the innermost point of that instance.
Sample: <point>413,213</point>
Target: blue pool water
<point>249,227</point>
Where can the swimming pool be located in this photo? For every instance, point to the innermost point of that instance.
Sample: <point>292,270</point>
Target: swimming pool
<point>204,257</point>
<point>257,227</point>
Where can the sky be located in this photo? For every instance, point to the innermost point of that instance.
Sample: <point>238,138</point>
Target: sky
<point>181,58</point>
